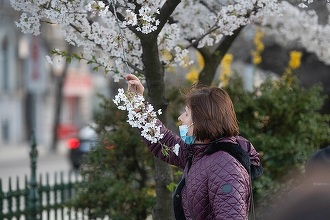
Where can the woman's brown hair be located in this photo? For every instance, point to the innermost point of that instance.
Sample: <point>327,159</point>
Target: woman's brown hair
<point>212,113</point>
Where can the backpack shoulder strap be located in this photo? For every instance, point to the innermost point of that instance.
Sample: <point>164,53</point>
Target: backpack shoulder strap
<point>235,150</point>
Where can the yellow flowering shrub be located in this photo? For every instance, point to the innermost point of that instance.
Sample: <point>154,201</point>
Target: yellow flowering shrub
<point>259,47</point>
<point>225,66</point>
<point>295,58</point>
<point>294,63</point>
<point>195,68</point>
<point>192,75</point>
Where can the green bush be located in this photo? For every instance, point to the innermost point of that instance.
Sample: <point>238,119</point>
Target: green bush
<point>117,172</point>
<point>284,124</point>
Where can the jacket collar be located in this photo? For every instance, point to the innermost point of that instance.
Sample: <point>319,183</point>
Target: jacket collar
<point>198,150</point>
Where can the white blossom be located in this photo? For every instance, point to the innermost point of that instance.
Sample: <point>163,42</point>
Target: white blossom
<point>302,5</point>
<point>131,18</point>
<point>176,149</point>
<point>49,60</point>
<point>140,114</point>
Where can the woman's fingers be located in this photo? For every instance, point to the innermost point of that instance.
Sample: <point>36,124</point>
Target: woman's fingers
<point>131,77</point>
<point>134,84</point>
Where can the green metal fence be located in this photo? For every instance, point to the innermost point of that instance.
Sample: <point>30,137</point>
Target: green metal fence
<point>50,199</point>
<point>39,199</point>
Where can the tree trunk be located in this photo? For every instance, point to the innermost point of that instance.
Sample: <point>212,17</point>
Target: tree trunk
<point>154,74</point>
<point>58,103</point>
<point>213,59</point>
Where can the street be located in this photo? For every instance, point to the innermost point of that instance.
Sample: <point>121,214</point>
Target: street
<point>15,162</point>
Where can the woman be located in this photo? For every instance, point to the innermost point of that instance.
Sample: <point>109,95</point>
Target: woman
<point>216,183</point>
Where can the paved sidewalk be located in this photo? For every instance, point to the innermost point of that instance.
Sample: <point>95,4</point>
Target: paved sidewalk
<point>14,152</point>
<point>22,151</point>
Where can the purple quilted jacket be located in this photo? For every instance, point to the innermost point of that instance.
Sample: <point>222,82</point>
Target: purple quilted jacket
<point>217,186</point>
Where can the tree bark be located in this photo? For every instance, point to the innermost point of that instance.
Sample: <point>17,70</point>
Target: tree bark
<point>154,74</point>
<point>58,102</point>
<point>212,59</point>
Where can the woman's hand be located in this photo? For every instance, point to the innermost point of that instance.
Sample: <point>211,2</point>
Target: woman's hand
<point>134,84</point>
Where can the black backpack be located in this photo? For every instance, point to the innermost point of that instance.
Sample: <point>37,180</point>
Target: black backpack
<point>236,151</point>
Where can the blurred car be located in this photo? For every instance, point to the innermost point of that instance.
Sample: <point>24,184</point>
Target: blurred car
<point>79,146</point>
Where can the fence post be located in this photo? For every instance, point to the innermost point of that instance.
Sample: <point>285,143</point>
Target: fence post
<point>33,182</point>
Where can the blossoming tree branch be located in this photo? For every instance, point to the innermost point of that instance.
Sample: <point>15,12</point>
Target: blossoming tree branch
<point>110,32</point>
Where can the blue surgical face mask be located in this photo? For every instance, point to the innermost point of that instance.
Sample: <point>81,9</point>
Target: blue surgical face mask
<point>183,134</point>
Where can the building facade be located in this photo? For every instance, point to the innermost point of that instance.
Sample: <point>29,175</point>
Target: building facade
<point>11,79</point>
<point>28,85</point>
